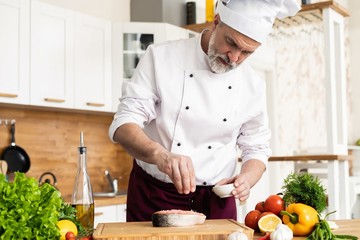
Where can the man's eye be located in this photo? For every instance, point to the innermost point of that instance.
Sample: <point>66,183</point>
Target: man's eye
<point>231,42</point>
<point>247,53</point>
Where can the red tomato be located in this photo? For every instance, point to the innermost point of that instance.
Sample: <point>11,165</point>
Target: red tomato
<point>260,206</point>
<point>86,238</point>
<point>252,218</point>
<point>70,236</point>
<point>274,204</point>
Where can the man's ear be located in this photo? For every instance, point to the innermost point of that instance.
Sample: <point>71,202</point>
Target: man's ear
<point>216,20</point>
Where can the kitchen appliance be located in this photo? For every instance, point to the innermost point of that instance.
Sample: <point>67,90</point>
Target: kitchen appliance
<point>47,180</point>
<point>15,156</point>
<point>191,12</point>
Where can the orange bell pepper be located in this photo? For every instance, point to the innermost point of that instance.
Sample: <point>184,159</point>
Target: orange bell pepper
<point>300,218</point>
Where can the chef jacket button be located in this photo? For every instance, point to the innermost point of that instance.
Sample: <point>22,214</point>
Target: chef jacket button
<point>204,183</point>
<point>224,120</point>
<point>209,147</point>
<point>179,144</point>
<point>229,87</point>
<point>187,107</point>
<point>191,75</point>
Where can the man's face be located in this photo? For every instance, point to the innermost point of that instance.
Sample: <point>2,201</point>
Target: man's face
<point>229,48</point>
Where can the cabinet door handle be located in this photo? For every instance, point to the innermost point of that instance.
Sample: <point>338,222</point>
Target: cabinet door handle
<point>99,214</point>
<point>57,100</point>
<point>8,95</point>
<point>95,104</point>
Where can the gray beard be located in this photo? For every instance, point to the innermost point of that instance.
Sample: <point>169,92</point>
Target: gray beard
<point>215,64</point>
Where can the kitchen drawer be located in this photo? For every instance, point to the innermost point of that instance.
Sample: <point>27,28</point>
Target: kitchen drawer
<point>110,214</point>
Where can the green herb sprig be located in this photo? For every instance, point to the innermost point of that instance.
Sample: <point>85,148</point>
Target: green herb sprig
<point>304,188</point>
<point>323,231</point>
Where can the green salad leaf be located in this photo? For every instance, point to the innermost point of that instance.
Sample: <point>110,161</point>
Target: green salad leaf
<point>27,210</point>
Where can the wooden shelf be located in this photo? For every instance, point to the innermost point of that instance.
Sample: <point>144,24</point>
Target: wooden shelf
<point>311,157</point>
<point>307,8</point>
<point>198,27</point>
<point>325,4</point>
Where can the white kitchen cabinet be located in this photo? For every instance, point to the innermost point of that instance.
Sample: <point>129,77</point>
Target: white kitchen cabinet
<point>52,56</point>
<point>92,63</point>
<point>130,41</point>
<point>14,49</point>
<point>70,59</point>
<point>121,213</point>
<point>111,213</point>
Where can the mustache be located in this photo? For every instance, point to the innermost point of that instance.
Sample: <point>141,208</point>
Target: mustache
<point>226,59</point>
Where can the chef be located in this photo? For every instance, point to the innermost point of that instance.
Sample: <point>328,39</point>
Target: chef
<point>191,106</point>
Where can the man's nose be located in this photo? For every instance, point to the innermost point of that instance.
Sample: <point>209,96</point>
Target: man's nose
<point>234,55</point>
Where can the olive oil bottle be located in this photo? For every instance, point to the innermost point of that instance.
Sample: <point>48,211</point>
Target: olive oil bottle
<point>82,197</point>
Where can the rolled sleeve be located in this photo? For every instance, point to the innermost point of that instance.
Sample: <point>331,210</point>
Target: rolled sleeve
<point>254,139</point>
<point>137,105</point>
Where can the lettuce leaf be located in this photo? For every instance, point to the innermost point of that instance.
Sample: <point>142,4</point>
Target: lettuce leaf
<point>27,210</point>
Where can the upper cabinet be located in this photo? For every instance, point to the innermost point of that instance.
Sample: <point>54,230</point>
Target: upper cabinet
<point>14,49</point>
<point>92,63</point>
<point>52,56</point>
<point>57,57</point>
<point>70,59</point>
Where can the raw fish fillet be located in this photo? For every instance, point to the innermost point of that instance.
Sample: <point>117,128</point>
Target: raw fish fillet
<point>177,218</point>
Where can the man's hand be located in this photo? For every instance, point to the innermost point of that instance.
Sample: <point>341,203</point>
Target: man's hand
<point>242,186</point>
<point>180,170</point>
<point>251,172</point>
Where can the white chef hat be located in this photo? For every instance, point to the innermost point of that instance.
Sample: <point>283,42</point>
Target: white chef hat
<point>255,18</point>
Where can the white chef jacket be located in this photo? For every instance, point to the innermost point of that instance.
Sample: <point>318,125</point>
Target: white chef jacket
<point>181,104</point>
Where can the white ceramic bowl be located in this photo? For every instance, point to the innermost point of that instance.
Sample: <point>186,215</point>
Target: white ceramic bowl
<point>224,191</point>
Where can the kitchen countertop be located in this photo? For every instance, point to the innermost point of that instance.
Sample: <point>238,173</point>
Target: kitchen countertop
<point>103,201</point>
<point>107,201</point>
<point>348,227</point>
<point>135,230</point>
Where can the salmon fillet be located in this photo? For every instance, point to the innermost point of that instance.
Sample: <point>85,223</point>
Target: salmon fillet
<point>177,218</point>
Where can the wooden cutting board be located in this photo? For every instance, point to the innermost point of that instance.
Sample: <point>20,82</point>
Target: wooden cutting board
<point>210,229</point>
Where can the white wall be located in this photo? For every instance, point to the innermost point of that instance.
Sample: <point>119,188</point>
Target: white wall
<point>354,39</point>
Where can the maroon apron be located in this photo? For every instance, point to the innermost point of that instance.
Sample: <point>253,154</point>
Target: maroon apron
<point>147,195</point>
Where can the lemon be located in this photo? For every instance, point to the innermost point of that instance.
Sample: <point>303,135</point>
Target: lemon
<point>66,226</point>
<point>268,223</point>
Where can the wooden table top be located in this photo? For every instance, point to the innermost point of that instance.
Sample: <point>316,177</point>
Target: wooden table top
<point>348,227</point>
<point>318,157</point>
